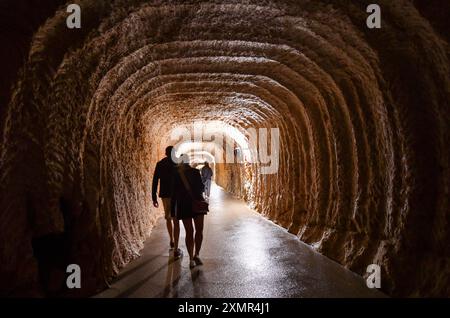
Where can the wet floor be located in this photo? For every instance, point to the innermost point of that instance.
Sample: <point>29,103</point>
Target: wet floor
<point>244,255</point>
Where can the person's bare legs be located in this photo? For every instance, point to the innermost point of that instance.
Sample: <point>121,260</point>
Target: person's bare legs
<point>176,232</point>
<point>198,222</point>
<point>170,231</point>
<point>166,204</point>
<point>189,237</point>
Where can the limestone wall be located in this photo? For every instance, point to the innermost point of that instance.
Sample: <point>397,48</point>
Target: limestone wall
<point>363,118</point>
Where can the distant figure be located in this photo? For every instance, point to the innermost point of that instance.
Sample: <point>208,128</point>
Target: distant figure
<point>164,172</point>
<point>187,191</point>
<point>207,174</point>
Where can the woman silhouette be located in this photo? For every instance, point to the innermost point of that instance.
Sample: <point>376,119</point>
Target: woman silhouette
<point>188,187</point>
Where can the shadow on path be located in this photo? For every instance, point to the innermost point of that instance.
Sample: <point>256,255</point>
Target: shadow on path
<point>244,255</point>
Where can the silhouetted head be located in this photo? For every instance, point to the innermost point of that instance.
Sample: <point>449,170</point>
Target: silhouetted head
<point>169,151</point>
<point>206,164</point>
<point>184,159</point>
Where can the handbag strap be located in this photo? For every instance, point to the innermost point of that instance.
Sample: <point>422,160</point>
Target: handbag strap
<point>185,181</point>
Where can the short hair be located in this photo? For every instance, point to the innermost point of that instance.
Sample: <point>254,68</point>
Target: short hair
<point>184,159</point>
<point>169,151</point>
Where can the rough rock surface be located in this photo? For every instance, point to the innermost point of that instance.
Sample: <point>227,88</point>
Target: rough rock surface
<point>363,117</point>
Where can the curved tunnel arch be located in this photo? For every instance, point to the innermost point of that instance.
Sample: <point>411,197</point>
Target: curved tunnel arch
<point>363,162</point>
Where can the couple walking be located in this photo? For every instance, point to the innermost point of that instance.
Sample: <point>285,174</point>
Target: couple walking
<point>181,192</point>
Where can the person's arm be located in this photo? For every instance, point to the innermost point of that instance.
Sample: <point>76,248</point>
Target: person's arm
<point>198,183</point>
<point>202,174</point>
<point>155,186</point>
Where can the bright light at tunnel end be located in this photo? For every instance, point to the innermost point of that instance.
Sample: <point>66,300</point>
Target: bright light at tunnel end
<point>224,143</point>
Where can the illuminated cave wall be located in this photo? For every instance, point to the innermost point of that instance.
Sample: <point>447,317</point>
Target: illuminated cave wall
<point>363,118</point>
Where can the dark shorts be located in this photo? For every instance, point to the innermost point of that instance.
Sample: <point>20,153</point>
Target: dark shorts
<point>167,208</point>
<point>185,212</point>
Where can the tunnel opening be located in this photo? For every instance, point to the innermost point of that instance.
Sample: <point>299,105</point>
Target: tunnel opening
<point>94,112</point>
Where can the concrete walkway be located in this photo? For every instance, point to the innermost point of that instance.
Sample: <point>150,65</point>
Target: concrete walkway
<point>244,255</point>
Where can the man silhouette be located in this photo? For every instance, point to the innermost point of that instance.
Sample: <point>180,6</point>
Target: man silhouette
<point>206,174</point>
<point>164,172</point>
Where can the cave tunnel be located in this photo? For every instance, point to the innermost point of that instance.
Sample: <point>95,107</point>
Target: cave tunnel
<point>362,115</point>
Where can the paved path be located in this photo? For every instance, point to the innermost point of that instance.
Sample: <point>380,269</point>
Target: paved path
<point>244,255</point>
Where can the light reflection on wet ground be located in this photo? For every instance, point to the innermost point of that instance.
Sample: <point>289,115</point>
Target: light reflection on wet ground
<point>244,255</point>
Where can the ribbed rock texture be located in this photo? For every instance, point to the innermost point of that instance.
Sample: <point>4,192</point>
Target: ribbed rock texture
<point>363,117</point>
